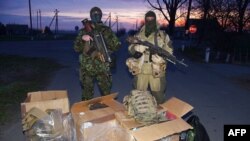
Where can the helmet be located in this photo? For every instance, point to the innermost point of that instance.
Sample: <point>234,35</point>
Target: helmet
<point>96,14</point>
<point>150,23</point>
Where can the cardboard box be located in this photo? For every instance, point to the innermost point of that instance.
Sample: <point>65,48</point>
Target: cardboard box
<point>161,130</point>
<point>91,115</point>
<point>44,100</point>
<point>114,119</point>
<point>99,124</point>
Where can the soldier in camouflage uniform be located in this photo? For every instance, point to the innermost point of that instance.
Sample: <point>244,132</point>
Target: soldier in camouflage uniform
<point>92,67</point>
<point>152,67</point>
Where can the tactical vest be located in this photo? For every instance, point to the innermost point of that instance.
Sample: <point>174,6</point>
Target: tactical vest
<point>142,106</point>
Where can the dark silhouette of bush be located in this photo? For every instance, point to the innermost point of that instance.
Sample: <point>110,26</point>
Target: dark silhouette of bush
<point>132,32</point>
<point>121,32</point>
<point>47,31</point>
<point>2,29</point>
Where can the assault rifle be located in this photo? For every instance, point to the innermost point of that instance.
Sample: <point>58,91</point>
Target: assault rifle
<point>98,41</point>
<point>153,49</point>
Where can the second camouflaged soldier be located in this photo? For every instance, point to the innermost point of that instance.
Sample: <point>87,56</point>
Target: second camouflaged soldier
<point>149,69</point>
<point>92,65</point>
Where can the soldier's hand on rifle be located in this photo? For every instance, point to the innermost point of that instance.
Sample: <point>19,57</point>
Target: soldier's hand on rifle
<point>140,48</point>
<point>100,56</point>
<point>157,59</point>
<point>87,38</point>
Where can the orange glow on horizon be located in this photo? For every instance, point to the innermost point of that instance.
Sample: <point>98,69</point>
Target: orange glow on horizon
<point>178,23</point>
<point>128,20</point>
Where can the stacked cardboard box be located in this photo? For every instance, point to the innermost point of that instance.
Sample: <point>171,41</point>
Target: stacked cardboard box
<point>111,122</point>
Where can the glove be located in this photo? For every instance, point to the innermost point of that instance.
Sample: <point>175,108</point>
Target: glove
<point>157,59</point>
<point>87,38</point>
<point>137,55</point>
<point>140,48</point>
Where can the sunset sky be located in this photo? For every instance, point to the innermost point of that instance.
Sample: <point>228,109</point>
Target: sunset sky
<point>71,12</point>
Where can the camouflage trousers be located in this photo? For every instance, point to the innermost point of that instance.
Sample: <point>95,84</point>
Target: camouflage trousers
<point>104,82</point>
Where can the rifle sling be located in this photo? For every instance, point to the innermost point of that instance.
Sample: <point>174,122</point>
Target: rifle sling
<point>155,37</point>
<point>155,43</point>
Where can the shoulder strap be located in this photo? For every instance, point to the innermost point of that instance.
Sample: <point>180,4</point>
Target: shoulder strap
<point>155,37</point>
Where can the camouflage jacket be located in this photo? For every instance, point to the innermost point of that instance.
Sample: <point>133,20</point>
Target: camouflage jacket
<point>163,41</point>
<point>89,63</point>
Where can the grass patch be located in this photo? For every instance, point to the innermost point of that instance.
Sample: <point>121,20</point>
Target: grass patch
<point>20,75</point>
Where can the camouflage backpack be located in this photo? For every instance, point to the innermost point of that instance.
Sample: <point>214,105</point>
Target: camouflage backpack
<point>142,106</point>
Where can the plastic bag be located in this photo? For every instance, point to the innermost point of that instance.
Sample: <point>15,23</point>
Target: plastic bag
<point>54,127</point>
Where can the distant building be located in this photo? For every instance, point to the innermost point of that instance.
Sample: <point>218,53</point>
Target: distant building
<point>17,29</point>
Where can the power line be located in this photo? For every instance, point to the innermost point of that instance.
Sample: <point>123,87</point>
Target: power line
<point>56,24</point>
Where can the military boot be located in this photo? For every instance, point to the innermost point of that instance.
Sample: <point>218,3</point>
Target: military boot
<point>159,97</point>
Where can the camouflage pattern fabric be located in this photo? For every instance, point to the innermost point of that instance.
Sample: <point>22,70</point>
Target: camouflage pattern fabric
<point>92,68</point>
<point>142,106</point>
<point>152,75</point>
<point>104,82</point>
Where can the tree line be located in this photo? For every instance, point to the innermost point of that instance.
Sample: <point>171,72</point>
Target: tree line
<point>233,15</point>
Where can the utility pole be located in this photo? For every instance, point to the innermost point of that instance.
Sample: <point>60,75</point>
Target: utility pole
<point>37,21</point>
<point>40,20</point>
<point>136,24</point>
<point>31,30</point>
<point>109,20</point>
<point>117,23</point>
<point>56,26</point>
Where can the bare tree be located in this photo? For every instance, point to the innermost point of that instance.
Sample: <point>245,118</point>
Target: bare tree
<point>168,8</point>
<point>203,6</point>
<point>231,14</point>
<point>241,11</point>
<point>188,14</point>
<point>223,11</point>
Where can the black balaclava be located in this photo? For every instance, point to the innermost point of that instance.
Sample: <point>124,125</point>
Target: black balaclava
<point>96,15</point>
<point>150,25</point>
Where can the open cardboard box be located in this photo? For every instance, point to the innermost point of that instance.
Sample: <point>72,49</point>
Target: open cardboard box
<point>44,100</point>
<point>99,124</point>
<point>161,130</point>
<point>82,108</point>
<point>89,122</point>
